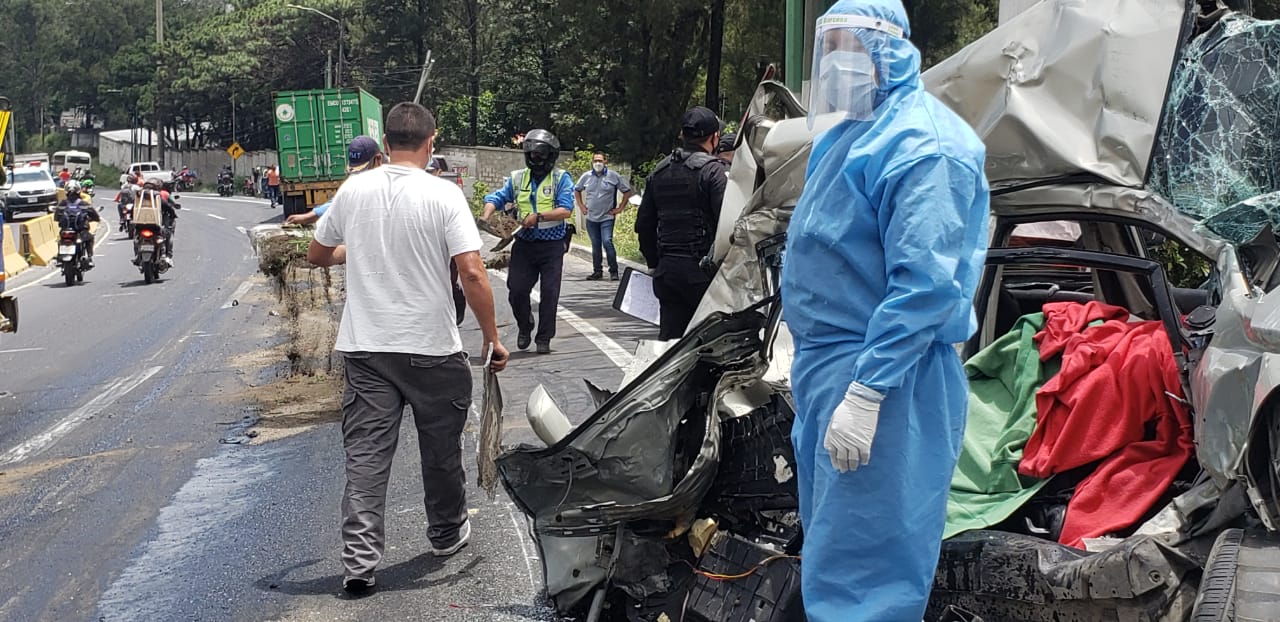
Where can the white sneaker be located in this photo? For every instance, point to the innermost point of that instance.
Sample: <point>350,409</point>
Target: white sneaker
<point>464,536</point>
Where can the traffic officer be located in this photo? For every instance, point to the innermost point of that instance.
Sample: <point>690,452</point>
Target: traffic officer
<point>677,220</point>
<point>543,198</point>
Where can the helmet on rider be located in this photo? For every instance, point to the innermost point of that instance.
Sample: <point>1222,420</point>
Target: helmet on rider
<point>541,148</point>
<point>73,189</point>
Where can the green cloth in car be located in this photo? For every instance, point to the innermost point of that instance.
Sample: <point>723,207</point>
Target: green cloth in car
<point>1003,379</point>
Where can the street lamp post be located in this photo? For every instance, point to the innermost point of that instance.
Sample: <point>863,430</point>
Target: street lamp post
<point>341,34</point>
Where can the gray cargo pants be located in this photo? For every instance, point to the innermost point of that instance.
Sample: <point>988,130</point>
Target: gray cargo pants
<point>378,386</point>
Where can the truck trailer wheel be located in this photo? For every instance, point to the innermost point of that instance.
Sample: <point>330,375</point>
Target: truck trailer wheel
<point>294,204</point>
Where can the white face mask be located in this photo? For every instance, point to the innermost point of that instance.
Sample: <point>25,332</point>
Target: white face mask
<point>597,167</point>
<point>848,83</point>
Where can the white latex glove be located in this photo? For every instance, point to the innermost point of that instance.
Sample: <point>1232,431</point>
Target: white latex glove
<point>853,425</point>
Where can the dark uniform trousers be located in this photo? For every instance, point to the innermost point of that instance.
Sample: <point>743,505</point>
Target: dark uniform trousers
<point>679,283</point>
<point>533,262</point>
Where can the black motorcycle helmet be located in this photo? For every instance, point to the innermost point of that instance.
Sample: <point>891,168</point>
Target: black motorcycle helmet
<point>541,149</point>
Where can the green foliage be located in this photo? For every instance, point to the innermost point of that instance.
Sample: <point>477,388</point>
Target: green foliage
<point>581,162</point>
<point>940,28</point>
<point>453,119</point>
<point>1183,266</point>
<point>55,141</point>
<point>478,191</point>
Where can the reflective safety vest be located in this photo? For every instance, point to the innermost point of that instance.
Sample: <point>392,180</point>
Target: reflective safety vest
<point>522,186</point>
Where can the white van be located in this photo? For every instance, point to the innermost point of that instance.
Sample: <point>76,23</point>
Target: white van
<point>71,160</point>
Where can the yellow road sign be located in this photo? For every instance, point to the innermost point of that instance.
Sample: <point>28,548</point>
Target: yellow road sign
<point>235,151</point>
<point>4,127</point>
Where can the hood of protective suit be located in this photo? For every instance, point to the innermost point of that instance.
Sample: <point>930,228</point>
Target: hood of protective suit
<point>1067,89</point>
<point>897,61</point>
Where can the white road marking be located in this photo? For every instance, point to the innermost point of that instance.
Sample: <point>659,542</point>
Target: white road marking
<point>35,282</point>
<point>49,437</point>
<point>118,295</point>
<point>520,532</point>
<point>215,216</point>
<point>17,350</point>
<point>602,342</point>
<point>235,296</point>
<point>232,199</point>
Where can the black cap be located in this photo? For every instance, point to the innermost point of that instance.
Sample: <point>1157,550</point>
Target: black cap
<point>700,122</point>
<point>726,142</point>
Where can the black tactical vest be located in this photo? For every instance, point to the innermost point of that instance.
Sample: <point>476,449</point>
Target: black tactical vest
<point>686,222</point>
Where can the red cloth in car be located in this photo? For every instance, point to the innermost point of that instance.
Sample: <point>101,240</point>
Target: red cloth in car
<point>1112,385</point>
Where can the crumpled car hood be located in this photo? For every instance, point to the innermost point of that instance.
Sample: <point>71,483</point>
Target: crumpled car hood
<point>1067,89</point>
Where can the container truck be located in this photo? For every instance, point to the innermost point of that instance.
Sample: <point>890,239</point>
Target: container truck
<point>313,129</point>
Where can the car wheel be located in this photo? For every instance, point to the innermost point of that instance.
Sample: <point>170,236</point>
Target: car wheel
<point>1241,580</point>
<point>1214,603</point>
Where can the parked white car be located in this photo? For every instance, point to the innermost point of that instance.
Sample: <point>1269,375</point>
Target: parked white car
<point>150,171</point>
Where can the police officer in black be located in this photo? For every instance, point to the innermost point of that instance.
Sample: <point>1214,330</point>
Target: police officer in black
<point>676,223</point>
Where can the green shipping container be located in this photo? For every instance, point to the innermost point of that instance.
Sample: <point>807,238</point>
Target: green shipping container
<point>313,129</point>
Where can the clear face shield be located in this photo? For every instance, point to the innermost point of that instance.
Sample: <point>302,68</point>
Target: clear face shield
<point>845,79</point>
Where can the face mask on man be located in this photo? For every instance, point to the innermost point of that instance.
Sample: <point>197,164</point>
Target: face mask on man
<point>849,84</point>
<point>597,167</point>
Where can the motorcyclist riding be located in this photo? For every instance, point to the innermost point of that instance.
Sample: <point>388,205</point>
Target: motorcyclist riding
<point>226,182</point>
<point>168,214</point>
<point>75,213</point>
<point>128,194</point>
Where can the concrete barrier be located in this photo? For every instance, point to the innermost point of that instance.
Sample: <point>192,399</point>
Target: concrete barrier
<point>40,240</point>
<point>14,262</point>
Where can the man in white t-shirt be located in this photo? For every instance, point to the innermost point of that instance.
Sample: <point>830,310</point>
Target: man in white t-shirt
<point>396,228</point>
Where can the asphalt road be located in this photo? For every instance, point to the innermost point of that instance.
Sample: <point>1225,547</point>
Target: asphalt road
<point>118,502</point>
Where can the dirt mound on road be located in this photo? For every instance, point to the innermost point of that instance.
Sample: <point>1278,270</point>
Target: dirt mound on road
<point>306,387</point>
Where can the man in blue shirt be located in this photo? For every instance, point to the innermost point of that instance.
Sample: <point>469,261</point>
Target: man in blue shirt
<point>542,198</point>
<point>597,195</point>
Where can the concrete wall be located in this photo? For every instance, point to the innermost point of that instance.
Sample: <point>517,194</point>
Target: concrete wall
<point>207,162</point>
<point>493,164</point>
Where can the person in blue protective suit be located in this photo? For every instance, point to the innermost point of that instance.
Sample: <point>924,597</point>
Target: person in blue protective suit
<point>885,249</point>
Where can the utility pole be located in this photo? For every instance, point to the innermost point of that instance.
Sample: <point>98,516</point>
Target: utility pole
<point>713,56</point>
<point>341,28</point>
<point>159,83</point>
<point>233,129</point>
<point>473,33</point>
<point>422,80</point>
<point>328,69</point>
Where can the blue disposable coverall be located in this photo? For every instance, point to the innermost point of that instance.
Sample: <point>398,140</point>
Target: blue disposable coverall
<point>885,250</point>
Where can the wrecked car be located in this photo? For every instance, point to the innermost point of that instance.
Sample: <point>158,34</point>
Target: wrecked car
<point>1132,158</point>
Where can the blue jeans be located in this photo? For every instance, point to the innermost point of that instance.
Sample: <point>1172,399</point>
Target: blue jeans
<point>601,234</point>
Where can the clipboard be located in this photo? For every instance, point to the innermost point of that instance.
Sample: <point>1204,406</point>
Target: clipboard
<point>635,297</point>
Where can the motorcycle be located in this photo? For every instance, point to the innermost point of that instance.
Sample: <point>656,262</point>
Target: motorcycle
<point>150,240</point>
<point>126,218</point>
<point>184,181</point>
<point>87,185</point>
<point>148,252</point>
<point>226,186</point>
<point>72,257</point>
<point>250,189</point>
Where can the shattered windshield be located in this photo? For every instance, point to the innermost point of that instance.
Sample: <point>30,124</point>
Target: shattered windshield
<point>1216,157</point>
